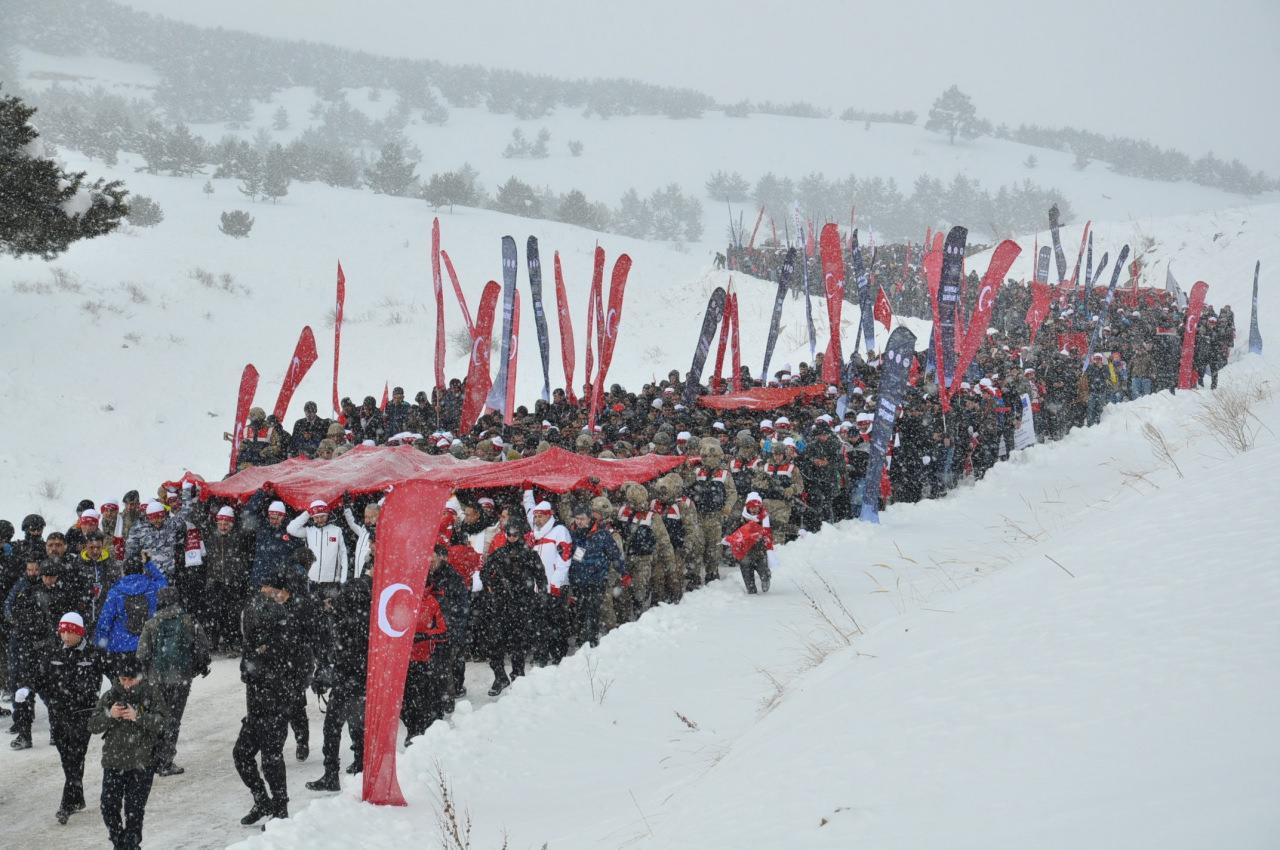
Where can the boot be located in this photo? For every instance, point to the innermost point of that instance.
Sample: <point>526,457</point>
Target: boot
<point>355,768</point>
<point>303,751</point>
<point>20,743</point>
<point>171,769</point>
<point>261,808</point>
<point>764,583</point>
<point>500,684</point>
<point>63,816</point>
<point>280,807</point>
<point>328,782</point>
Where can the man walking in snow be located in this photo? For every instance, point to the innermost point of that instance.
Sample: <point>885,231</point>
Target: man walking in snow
<point>173,650</point>
<point>70,679</point>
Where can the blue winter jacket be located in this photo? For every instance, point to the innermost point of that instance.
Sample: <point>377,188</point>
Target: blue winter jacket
<point>112,633</point>
<point>594,552</point>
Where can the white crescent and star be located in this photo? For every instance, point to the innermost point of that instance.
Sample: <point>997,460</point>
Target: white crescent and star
<point>986,291</point>
<point>384,599</point>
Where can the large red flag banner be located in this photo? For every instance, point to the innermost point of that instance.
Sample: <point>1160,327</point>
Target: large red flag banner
<point>244,401</point>
<point>593,301</point>
<point>304,356</point>
<point>408,522</point>
<point>566,332</point>
<point>478,380</point>
<point>438,283</point>
<point>1041,299</point>
<point>1003,257</point>
<point>882,310</point>
<point>337,335</point>
<point>833,284</point>
<point>609,328</point>
<point>1186,370</point>
<point>736,346</point>
<point>717,382</point>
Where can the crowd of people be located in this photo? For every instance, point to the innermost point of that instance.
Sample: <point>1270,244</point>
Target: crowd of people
<point>147,592</point>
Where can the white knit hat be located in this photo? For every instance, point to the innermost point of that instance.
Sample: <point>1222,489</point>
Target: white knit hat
<point>226,512</point>
<point>276,507</point>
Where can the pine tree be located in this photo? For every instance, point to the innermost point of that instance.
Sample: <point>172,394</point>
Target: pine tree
<point>392,174</point>
<point>252,175</point>
<point>518,198</point>
<point>728,187</point>
<point>144,212</point>
<point>954,114</point>
<point>208,188</point>
<point>44,209</point>
<point>276,174</point>
<point>542,147</point>
<point>280,120</point>
<point>518,147</point>
<point>633,217</point>
<point>236,223</point>
<point>575,147</point>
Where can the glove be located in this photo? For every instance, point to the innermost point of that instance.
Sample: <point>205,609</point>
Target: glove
<point>528,539</point>
<point>21,694</point>
<point>553,590</point>
<point>476,584</point>
<point>526,484</point>
<point>626,580</point>
<point>926,460</point>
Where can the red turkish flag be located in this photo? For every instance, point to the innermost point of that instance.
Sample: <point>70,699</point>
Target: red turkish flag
<point>566,332</point>
<point>1186,372</point>
<point>1041,299</point>
<point>478,380</point>
<point>882,310</point>
<point>304,356</point>
<point>244,401</point>
<point>410,516</point>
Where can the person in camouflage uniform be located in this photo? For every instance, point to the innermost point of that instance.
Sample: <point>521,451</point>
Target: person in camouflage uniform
<point>714,495</point>
<point>685,530</point>
<point>646,546</point>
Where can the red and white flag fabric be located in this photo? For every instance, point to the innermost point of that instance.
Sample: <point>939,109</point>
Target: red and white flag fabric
<point>833,285</point>
<point>385,396</point>
<point>1041,301</point>
<point>883,310</point>
<point>1186,367</point>
<point>736,346</point>
<point>566,332</point>
<point>609,329</point>
<point>592,341</point>
<point>1001,260</point>
<point>478,380</point>
<point>726,322</point>
<point>304,356</point>
<point>244,401</point>
<point>457,291</point>
<point>410,515</point>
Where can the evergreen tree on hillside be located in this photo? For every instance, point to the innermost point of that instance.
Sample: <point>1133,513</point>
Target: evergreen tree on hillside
<point>276,174</point>
<point>452,187</point>
<point>542,146</point>
<point>518,198</point>
<point>393,173</point>
<point>280,120</point>
<point>728,187</point>
<point>576,209</point>
<point>633,217</point>
<point>43,209</point>
<point>954,114</point>
<point>518,147</point>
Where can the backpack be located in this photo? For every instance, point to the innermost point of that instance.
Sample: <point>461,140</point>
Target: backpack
<point>137,610</point>
<point>171,651</point>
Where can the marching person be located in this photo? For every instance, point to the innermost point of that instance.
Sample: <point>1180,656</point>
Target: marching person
<point>160,534</point>
<point>514,581</point>
<point>714,495</point>
<point>424,688</point>
<point>272,660</point>
<point>173,650</point>
<point>326,542</point>
<point>594,553</point>
<point>131,718</point>
<point>551,542</point>
<point>751,544</point>
<point>227,559</point>
<point>70,681</point>
<point>131,602</point>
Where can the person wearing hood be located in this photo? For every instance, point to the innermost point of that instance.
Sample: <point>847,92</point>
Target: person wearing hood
<point>131,718</point>
<point>646,547</point>
<point>131,602</point>
<point>594,553</point>
<point>173,650</point>
<point>100,569</point>
<point>70,679</point>
<point>684,528</point>
<point>712,489</point>
<point>750,545</point>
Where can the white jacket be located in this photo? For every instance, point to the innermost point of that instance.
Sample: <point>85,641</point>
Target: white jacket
<point>362,543</point>
<point>327,544</point>
<point>553,545</point>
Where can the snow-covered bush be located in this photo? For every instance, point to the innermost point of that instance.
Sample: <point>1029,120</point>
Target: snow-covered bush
<point>144,212</point>
<point>236,223</point>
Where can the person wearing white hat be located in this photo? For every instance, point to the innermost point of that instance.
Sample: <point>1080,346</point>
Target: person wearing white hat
<point>553,545</point>
<point>272,545</point>
<point>326,541</point>
<point>73,677</point>
<point>161,533</point>
<point>750,545</point>
<point>227,558</point>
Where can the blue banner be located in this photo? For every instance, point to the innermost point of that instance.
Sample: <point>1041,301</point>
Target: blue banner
<point>785,274</point>
<point>949,299</point>
<point>893,385</point>
<point>539,316</point>
<point>1255,335</point>
<point>497,399</point>
<point>865,303</point>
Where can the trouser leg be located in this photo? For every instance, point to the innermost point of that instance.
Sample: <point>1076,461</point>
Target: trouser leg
<point>175,697</point>
<point>590,600</point>
<point>641,569</point>
<point>334,717</point>
<point>275,730</point>
<point>298,719</point>
<point>113,788</point>
<point>72,742</point>
<point>712,534</point>
<point>244,756</point>
<point>136,792</point>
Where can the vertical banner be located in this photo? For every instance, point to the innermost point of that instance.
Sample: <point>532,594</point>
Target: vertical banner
<point>883,310</point>
<point>949,301</point>
<point>898,354</point>
<point>437,283</point>
<point>457,291</point>
<point>1171,287</point>
<point>832,257</point>
<point>539,316</point>
<point>386,396</point>
<point>244,401</point>
<point>498,394</point>
<point>593,298</point>
<point>1106,309</point>
<point>756,228</point>
<point>785,275</point>
<point>931,265</point>
<point>304,356</point>
<point>1055,227</point>
<point>1255,335</point>
<point>1186,370</point>
<point>1042,265</point>
<point>736,346</point>
<point>566,332</point>
<point>609,327</point>
<point>710,321</point>
<point>410,516</point>
<point>337,335</point>
<point>717,379</point>
<point>513,360</point>
<point>807,241</point>
<point>1070,287</point>
<point>865,299</point>
<point>1025,434</point>
<point>478,381</point>
<point>1041,299</point>
<point>1001,260</point>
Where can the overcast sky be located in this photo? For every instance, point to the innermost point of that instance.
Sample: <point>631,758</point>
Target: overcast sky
<point>1184,73</point>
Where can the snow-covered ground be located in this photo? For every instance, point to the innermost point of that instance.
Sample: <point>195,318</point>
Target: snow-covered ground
<point>1076,652</point>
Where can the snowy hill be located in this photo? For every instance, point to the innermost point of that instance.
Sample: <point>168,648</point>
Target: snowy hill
<point>1043,661</point>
